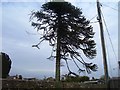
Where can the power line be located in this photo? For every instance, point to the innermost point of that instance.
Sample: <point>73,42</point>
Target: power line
<point>109,36</point>
<point>94,22</point>
<point>103,44</point>
<point>108,55</point>
<point>93,17</point>
<point>110,7</point>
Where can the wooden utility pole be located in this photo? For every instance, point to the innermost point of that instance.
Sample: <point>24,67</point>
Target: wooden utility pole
<point>119,64</point>
<point>103,43</point>
<point>119,69</point>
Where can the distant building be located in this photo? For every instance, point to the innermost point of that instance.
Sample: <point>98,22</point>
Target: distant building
<point>16,77</point>
<point>91,82</point>
<point>11,77</point>
<point>0,53</point>
<point>30,79</point>
<point>115,82</point>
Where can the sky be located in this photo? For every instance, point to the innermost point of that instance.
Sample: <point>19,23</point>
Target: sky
<point>33,62</point>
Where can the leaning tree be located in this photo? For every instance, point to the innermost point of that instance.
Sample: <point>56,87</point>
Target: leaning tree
<point>68,32</point>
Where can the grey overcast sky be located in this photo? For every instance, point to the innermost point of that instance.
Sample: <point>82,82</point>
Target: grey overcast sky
<point>31,62</point>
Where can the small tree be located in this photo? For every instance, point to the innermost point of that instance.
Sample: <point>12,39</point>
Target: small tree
<point>6,64</point>
<point>68,32</point>
<point>20,77</point>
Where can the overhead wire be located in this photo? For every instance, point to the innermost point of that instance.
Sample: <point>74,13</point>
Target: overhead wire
<point>108,56</point>
<point>110,7</point>
<point>93,17</point>
<point>110,70</point>
<point>109,35</point>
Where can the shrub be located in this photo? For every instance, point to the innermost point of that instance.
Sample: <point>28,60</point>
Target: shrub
<point>6,64</point>
<point>77,79</point>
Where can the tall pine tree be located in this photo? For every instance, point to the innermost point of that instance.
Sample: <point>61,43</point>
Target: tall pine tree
<point>68,32</point>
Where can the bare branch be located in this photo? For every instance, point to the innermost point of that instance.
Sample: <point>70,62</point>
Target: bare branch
<point>79,69</point>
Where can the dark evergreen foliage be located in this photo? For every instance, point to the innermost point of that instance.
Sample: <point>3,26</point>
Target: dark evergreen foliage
<point>63,20</point>
<point>6,64</point>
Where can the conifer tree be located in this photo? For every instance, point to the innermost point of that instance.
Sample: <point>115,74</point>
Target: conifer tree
<point>68,32</point>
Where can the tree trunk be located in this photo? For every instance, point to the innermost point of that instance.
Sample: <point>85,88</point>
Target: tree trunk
<point>58,53</point>
<point>58,58</point>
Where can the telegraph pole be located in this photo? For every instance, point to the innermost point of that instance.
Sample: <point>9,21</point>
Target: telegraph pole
<point>103,43</point>
<point>119,68</point>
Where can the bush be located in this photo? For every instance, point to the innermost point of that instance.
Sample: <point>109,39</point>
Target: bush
<point>77,79</point>
<point>84,78</point>
<point>6,64</point>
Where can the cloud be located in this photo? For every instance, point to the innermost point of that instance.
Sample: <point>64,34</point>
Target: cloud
<point>0,27</point>
<point>17,43</point>
<point>111,18</point>
<point>32,73</point>
<point>59,0</point>
<point>23,0</point>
